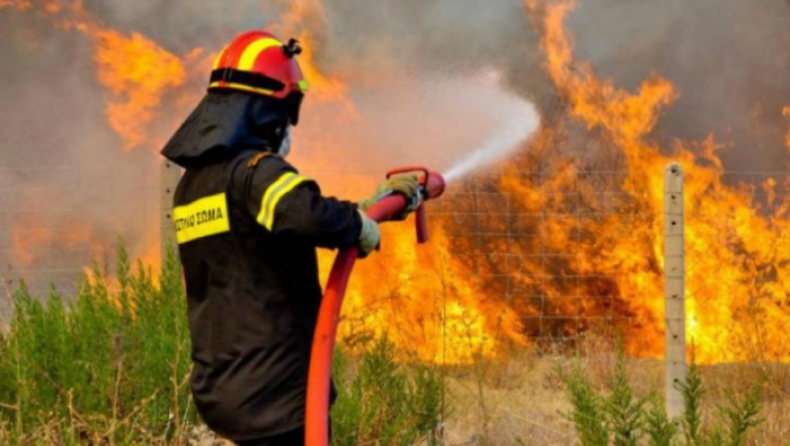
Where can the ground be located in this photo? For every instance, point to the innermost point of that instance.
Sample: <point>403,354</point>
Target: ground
<point>520,400</point>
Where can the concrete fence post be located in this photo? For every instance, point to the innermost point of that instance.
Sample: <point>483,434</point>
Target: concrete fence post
<point>168,180</point>
<point>675,298</point>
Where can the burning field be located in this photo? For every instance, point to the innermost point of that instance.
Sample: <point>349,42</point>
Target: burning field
<point>554,237</point>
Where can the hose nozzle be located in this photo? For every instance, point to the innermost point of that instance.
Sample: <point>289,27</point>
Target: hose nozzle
<point>432,183</point>
<point>432,186</point>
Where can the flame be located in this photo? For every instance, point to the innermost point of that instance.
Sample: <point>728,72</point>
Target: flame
<point>138,78</point>
<point>136,73</point>
<point>21,5</point>
<point>426,302</point>
<point>587,250</point>
<point>786,112</point>
<point>306,21</point>
<point>437,302</point>
<point>33,242</point>
<point>736,257</point>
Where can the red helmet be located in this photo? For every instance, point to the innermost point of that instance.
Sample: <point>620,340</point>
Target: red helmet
<point>257,62</point>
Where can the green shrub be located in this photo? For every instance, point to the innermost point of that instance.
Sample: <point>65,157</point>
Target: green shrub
<point>111,366</point>
<point>739,416</point>
<point>382,403</point>
<point>625,412</point>
<point>661,431</point>
<point>587,414</point>
<point>108,366</point>
<point>691,420</point>
<point>615,416</point>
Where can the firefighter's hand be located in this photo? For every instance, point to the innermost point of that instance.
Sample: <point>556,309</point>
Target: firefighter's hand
<point>406,185</point>
<point>369,237</point>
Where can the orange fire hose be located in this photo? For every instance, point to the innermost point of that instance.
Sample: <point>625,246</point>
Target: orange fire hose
<point>318,383</point>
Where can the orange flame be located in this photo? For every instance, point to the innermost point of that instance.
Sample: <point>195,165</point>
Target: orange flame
<point>135,71</point>
<point>426,302</point>
<point>442,308</point>
<point>21,5</point>
<point>137,75</point>
<point>432,308</point>
<point>306,20</point>
<point>32,241</point>
<point>786,112</point>
<point>735,293</point>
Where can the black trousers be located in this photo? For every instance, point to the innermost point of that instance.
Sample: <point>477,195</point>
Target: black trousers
<point>292,438</point>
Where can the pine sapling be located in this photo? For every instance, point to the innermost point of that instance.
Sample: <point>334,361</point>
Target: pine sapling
<point>742,416</point>
<point>691,419</point>
<point>587,414</point>
<point>661,431</point>
<point>624,410</point>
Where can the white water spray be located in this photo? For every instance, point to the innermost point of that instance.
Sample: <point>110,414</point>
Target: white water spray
<point>517,128</point>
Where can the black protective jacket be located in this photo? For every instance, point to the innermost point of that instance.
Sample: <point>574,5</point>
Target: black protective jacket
<point>247,226</point>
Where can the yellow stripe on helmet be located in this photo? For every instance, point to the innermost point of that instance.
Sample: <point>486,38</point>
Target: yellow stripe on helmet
<point>241,87</point>
<point>218,60</point>
<point>253,50</point>
<point>286,183</point>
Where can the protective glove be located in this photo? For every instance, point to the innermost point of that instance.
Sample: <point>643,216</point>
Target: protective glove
<point>406,185</point>
<point>369,237</point>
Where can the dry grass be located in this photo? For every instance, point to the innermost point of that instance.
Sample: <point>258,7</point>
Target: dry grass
<point>519,400</point>
<point>523,397</point>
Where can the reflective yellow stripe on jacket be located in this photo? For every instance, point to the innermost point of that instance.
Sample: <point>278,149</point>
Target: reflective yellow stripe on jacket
<point>286,183</point>
<point>202,218</point>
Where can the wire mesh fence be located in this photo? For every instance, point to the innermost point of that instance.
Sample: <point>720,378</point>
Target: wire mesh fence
<point>59,221</point>
<point>507,246</point>
<point>565,260</point>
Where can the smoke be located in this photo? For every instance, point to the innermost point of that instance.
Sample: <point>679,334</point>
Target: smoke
<point>729,59</point>
<point>729,67</point>
<point>64,180</point>
<point>415,70</point>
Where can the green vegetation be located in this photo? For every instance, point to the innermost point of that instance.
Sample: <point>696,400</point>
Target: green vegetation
<point>381,404</point>
<point>616,416</point>
<point>111,367</point>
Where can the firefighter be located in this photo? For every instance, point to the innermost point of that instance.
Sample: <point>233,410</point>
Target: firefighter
<point>247,226</point>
